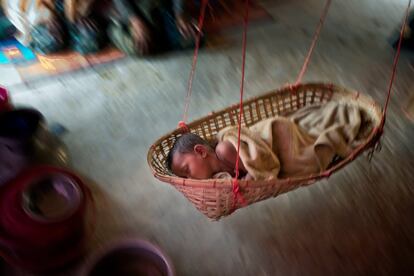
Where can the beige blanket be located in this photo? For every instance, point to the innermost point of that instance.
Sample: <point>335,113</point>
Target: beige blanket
<point>303,143</point>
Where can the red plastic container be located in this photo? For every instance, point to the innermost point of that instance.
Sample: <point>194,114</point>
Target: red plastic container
<point>43,219</point>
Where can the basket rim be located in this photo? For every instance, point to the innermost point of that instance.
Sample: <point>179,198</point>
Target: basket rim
<point>227,184</point>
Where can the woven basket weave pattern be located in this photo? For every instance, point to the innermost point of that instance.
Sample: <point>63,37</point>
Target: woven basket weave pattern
<point>214,197</point>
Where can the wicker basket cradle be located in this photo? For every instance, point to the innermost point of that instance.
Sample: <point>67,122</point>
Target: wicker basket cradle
<point>215,197</point>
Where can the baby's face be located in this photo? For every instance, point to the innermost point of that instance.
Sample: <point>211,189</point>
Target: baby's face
<point>192,165</point>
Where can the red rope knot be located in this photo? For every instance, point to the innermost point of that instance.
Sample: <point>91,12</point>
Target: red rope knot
<point>327,174</point>
<point>291,87</point>
<point>236,187</point>
<point>237,195</point>
<point>183,126</point>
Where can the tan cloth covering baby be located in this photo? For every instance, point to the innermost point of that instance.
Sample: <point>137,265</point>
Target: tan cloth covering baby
<point>303,143</point>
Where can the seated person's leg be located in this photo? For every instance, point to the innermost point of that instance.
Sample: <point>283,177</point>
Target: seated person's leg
<point>86,30</point>
<point>147,27</point>
<point>49,37</point>
<point>134,38</point>
<point>131,32</point>
<point>121,38</point>
<point>87,35</point>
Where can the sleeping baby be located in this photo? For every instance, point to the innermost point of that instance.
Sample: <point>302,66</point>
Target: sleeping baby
<point>303,143</point>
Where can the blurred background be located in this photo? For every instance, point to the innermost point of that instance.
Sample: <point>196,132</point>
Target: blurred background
<point>112,98</point>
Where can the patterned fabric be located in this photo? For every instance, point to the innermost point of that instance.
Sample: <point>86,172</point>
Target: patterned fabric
<point>53,25</point>
<point>25,15</point>
<point>6,27</point>
<point>49,37</point>
<point>120,36</point>
<point>87,35</point>
<point>161,19</point>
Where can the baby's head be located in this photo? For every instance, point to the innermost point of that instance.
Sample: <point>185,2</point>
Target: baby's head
<point>193,157</point>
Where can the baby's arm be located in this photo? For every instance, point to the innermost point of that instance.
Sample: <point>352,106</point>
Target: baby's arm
<point>227,153</point>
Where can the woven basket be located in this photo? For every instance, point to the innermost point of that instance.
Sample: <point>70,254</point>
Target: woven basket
<point>214,197</point>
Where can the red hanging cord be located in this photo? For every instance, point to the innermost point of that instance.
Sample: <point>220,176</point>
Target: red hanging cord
<point>194,64</point>
<point>394,66</point>
<point>315,39</point>
<point>236,187</point>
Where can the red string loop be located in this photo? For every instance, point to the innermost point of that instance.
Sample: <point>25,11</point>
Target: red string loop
<point>183,126</point>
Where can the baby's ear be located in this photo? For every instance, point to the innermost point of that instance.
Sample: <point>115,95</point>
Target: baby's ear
<point>200,150</point>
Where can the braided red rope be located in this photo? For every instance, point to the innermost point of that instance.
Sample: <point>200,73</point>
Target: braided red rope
<point>394,66</point>
<point>236,188</point>
<point>314,40</point>
<point>195,59</point>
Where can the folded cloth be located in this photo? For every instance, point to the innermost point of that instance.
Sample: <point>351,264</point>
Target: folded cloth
<point>302,143</point>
